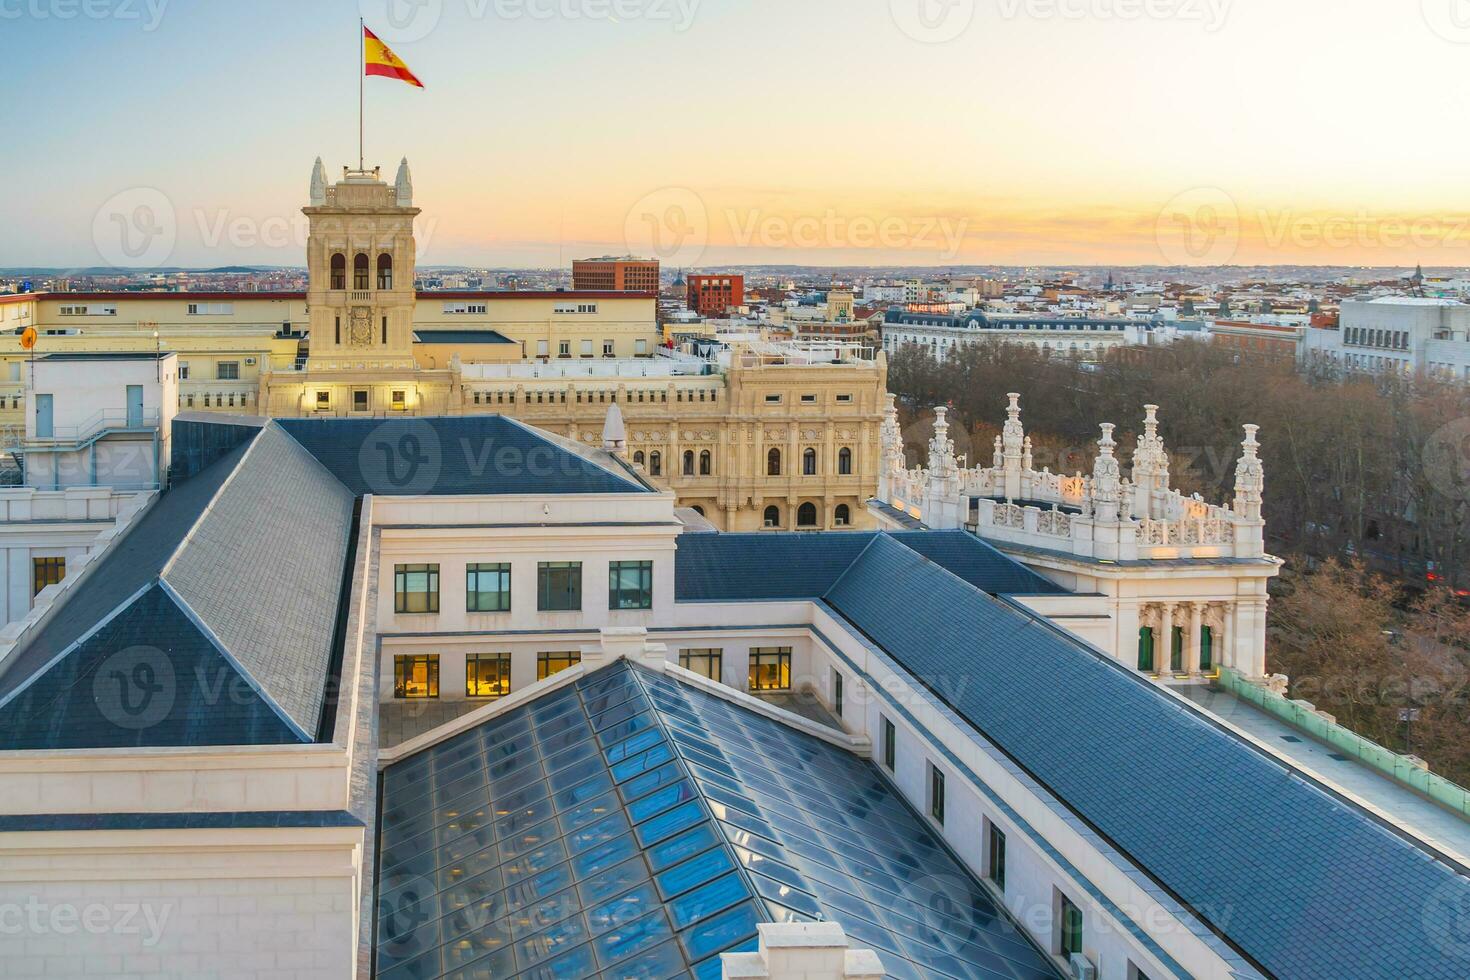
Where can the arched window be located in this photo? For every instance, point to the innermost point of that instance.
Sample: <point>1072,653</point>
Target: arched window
<point>360,275</point>
<point>656,464</point>
<point>385,271</point>
<point>1146,649</point>
<point>688,462</point>
<point>806,515</point>
<point>699,510</point>
<point>339,271</point>
<point>842,516</point>
<point>773,463</point>
<point>639,458</point>
<point>809,463</point>
<point>1206,649</point>
<point>844,462</point>
<point>773,516</point>
<point>706,463</point>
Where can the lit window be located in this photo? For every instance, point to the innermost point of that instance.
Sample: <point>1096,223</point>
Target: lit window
<point>46,571</point>
<point>630,585</point>
<point>398,400</point>
<point>549,664</point>
<point>416,588</point>
<point>559,586</point>
<point>487,588</point>
<point>487,675</point>
<point>706,663</point>
<point>770,669</point>
<point>416,678</point>
<point>359,400</point>
<point>323,401</point>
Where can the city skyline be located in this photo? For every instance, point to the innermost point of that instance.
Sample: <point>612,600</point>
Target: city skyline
<point>988,155</point>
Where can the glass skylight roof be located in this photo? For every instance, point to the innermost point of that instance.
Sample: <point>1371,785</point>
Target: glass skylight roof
<point>631,828</point>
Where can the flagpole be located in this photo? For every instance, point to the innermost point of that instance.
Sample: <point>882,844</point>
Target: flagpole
<point>361,91</point>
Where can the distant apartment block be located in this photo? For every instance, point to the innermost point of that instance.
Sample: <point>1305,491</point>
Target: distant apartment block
<point>1395,335</point>
<point>715,295</point>
<point>609,273</point>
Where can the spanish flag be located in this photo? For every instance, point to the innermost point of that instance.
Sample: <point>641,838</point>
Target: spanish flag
<point>379,59</point>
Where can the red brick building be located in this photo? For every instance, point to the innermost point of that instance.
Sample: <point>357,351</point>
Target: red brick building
<point>609,274</point>
<point>714,295</point>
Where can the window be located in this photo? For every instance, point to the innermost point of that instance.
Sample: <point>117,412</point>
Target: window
<point>706,663</point>
<point>211,309</point>
<point>1176,650</point>
<point>808,399</point>
<point>183,371</point>
<point>773,399</point>
<point>46,571</point>
<point>773,463</point>
<point>772,516</point>
<point>936,793</point>
<point>323,401</point>
<point>549,664</point>
<point>416,678</point>
<point>398,400</point>
<point>844,399</point>
<point>844,462</point>
<point>227,371</point>
<point>416,588</point>
<point>638,458</point>
<point>997,857</point>
<point>1146,649</point>
<point>487,675</point>
<point>1206,648</point>
<point>360,274</point>
<point>586,348</point>
<point>770,669</point>
<point>359,400</point>
<point>842,516</point>
<point>487,588</point>
<point>1071,932</point>
<point>640,347</point>
<point>688,462</point>
<point>457,308</point>
<point>890,746</point>
<point>564,349</point>
<point>706,463</point>
<point>656,464</point>
<point>809,463</point>
<point>559,586</point>
<point>837,692</point>
<point>607,348</point>
<point>339,271</point>
<point>806,515</point>
<point>630,585</point>
<point>385,271</point>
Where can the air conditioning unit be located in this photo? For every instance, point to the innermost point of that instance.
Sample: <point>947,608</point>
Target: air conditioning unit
<point>249,360</point>
<point>1082,968</point>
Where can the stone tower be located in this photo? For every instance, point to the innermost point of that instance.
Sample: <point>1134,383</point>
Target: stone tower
<point>360,257</point>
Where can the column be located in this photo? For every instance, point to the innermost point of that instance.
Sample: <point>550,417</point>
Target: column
<point>1192,651</point>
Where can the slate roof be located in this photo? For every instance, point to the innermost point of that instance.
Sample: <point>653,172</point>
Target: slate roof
<point>798,565</point>
<point>1305,884</point>
<point>480,454</point>
<point>629,826</point>
<point>460,337</point>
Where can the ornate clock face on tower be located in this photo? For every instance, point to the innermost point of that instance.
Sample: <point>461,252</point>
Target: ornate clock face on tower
<point>360,328</point>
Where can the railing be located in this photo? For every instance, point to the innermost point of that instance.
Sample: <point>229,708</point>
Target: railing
<point>106,420</point>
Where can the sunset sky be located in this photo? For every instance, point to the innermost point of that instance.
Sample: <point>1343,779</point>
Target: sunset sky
<point>757,131</point>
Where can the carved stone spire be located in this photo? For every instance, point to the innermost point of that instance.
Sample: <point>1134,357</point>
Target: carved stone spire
<point>890,439</point>
<point>403,186</point>
<point>614,433</point>
<point>942,462</point>
<point>318,184</point>
<point>1150,464</point>
<point>1013,438</point>
<point>1107,478</point>
<point>1250,478</point>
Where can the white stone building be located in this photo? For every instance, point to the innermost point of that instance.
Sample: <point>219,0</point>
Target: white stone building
<point>1404,335</point>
